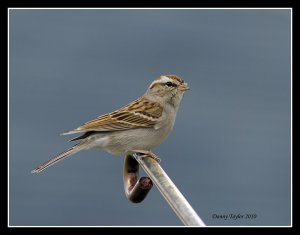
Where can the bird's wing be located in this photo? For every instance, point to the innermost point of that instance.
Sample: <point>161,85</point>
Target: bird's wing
<point>137,114</point>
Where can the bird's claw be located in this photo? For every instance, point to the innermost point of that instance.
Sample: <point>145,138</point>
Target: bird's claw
<point>146,153</point>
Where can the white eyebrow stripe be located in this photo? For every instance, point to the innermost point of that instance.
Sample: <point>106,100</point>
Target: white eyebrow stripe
<point>162,80</point>
<point>166,79</point>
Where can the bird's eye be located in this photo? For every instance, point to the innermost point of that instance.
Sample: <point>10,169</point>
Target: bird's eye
<point>170,84</point>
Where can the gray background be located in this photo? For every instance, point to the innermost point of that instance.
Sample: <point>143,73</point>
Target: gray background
<point>229,151</point>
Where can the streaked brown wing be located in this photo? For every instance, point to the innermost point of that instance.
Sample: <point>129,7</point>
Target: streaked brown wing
<point>140,113</point>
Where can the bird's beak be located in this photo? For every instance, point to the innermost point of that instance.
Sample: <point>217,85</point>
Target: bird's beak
<point>183,87</point>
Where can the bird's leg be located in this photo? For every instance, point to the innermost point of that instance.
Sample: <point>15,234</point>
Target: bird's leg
<point>148,153</point>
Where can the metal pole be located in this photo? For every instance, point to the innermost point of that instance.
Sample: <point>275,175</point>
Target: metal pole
<point>135,189</point>
<point>168,189</point>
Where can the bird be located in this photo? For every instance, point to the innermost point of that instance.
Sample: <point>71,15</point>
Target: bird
<point>138,127</point>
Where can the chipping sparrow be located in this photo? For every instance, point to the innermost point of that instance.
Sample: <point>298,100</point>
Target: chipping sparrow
<point>139,126</point>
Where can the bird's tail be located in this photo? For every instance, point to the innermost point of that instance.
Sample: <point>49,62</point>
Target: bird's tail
<point>76,148</point>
